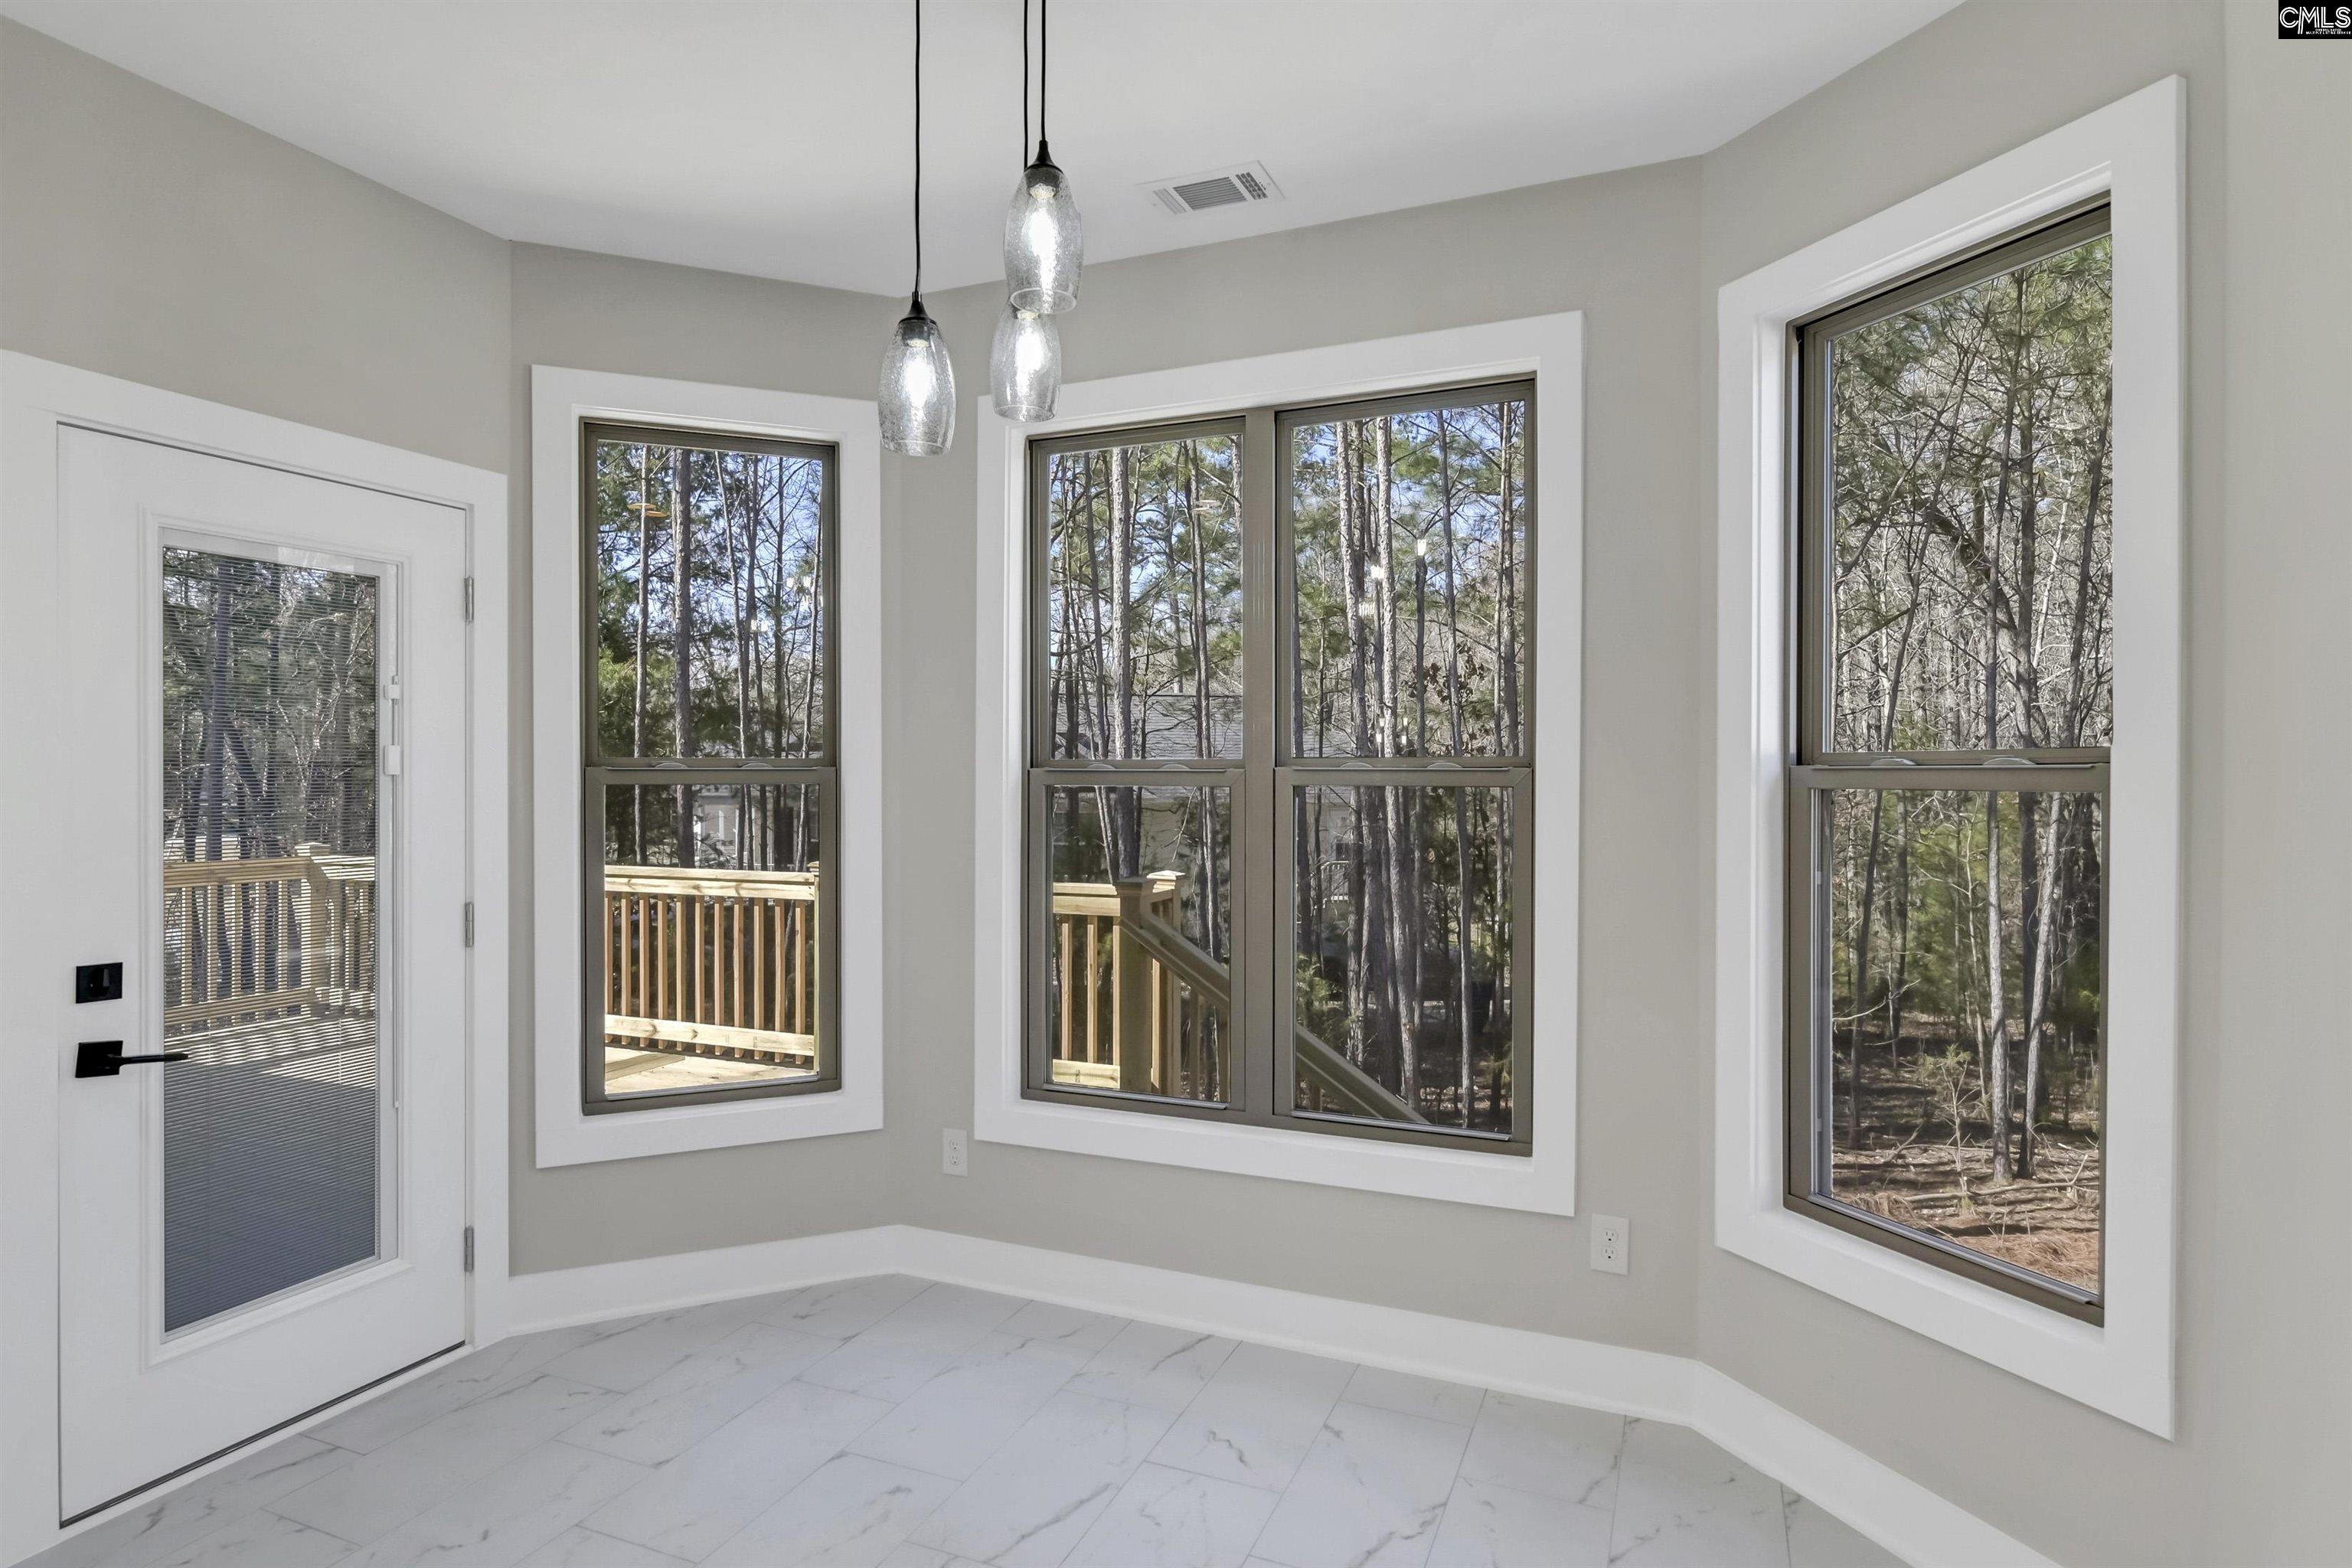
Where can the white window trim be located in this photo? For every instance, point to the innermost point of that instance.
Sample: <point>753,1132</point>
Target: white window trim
<point>2132,151</point>
<point>561,399</point>
<point>1549,348</point>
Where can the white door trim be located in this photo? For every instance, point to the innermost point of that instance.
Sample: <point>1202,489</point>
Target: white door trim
<point>37,396</point>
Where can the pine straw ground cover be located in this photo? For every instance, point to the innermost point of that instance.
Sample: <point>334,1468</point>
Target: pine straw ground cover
<point>1912,1169</point>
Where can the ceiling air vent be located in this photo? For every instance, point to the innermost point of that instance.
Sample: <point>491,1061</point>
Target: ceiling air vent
<point>1237,186</point>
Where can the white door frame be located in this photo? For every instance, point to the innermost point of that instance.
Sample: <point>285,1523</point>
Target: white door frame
<point>35,397</point>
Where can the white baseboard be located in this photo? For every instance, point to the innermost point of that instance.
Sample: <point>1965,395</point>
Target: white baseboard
<point>563,1297</point>
<point>1899,1514</point>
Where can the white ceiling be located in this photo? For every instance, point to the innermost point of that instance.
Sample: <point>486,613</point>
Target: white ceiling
<point>772,136</point>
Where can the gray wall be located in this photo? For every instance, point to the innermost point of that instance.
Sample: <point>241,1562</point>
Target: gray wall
<point>2264,1442</point>
<point>602,312</point>
<point>148,237</point>
<point>1619,248</point>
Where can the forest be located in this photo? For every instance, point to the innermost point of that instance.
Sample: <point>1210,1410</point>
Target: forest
<point>269,753</point>
<point>1970,618</point>
<point>711,577</point>
<point>1401,619</point>
<point>710,597</point>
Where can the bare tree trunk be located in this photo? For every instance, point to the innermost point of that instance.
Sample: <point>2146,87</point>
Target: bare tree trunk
<point>1360,987</point>
<point>1507,605</point>
<point>2038,993</point>
<point>1096,648</point>
<point>1404,861</point>
<point>681,646</point>
<point>1463,1027</point>
<point>645,622</point>
<point>2031,883</point>
<point>1997,1086</point>
<point>1127,861</point>
<point>215,784</point>
<point>1901,981</point>
<point>1862,1005</point>
<point>1203,724</point>
<point>742,663</point>
<point>1997,1091</point>
<point>818,586</point>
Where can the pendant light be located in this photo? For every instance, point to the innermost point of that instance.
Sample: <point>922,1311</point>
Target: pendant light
<point>917,394</point>
<point>1044,246</point>
<point>1024,363</point>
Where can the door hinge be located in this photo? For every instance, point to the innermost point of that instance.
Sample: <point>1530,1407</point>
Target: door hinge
<point>469,1250</point>
<point>469,923</point>
<point>469,601</point>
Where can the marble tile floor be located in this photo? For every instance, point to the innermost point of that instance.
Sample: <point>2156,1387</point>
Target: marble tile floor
<point>895,1423</point>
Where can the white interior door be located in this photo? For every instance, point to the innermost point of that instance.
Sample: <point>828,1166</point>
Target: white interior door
<point>264,802</point>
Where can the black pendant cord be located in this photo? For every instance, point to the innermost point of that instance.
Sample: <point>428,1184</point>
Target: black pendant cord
<point>1024,148</point>
<point>1044,57</point>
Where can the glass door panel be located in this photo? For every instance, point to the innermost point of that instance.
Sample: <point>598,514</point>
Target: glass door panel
<point>274,1127</point>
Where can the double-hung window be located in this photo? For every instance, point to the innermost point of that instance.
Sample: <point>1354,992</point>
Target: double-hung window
<point>1280,734</point>
<point>1953,698</point>
<point>710,797</point>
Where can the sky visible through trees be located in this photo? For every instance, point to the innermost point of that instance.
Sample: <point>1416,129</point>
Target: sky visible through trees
<point>1969,581</point>
<point>1403,641</point>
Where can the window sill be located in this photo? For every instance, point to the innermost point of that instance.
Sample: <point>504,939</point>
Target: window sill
<point>2107,1368</point>
<point>580,1138</point>
<point>1539,1183</point>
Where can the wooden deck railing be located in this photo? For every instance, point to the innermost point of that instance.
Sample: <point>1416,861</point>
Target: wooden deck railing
<point>249,940</point>
<point>712,962</point>
<point>727,964</point>
<point>1166,1010</point>
<point>1108,991</point>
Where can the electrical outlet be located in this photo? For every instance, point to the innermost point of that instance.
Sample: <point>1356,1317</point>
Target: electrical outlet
<point>955,1156</point>
<point>1612,1241</point>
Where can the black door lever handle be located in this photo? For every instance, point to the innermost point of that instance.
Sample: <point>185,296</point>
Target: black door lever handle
<point>104,1059</point>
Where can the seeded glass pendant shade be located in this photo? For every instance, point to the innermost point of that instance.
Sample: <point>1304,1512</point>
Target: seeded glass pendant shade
<point>1025,365</point>
<point>1044,243</point>
<point>918,391</point>
<point>917,403</point>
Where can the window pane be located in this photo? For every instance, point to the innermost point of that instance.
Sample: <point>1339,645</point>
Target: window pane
<point>1962,1088</point>
<point>1411,533</point>
<point>1969,517</point>
<point>1139,981</point>
<point>273,1126</point>
<point>1402,990</point>
<point>740,672</point>
<point>713,962</point>
<point>1143,600</point>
